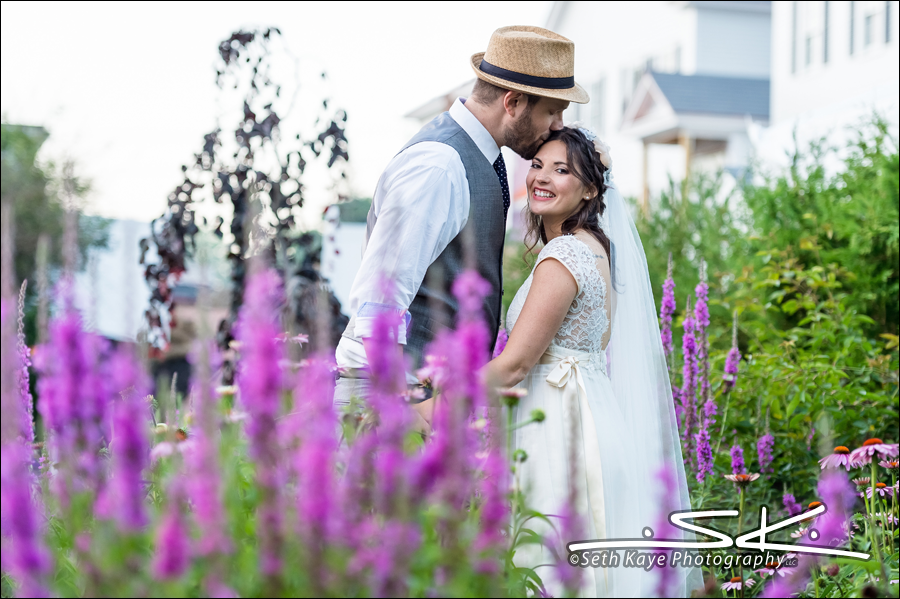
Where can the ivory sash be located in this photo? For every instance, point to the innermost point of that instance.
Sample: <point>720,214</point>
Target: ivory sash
<point>567,377</point>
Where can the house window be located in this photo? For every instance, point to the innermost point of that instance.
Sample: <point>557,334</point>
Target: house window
<point>825,33</point>
<point>808,58</point>
<point>887,22</point>
<point>852,25</point>
<point>794,37</point>
<point>868,29</point>
<point>598,107</point>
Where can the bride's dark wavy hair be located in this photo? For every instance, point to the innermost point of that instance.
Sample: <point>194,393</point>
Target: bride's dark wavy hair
<point>585,163</point>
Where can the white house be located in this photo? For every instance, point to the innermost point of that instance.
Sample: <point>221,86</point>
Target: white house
<point>833,65</point>
<point>671,83</point>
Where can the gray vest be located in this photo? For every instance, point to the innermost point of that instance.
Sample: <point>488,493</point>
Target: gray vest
<point>478,245</point>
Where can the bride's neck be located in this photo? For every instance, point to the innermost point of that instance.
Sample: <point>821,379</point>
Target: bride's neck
<point>552,228</point>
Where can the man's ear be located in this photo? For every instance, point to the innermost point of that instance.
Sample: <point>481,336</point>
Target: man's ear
<point>514,103</point>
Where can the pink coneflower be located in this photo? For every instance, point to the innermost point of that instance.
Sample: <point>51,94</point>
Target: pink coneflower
<point>890,464</point>
<point>736,583</point>
<point>798,533</point>
<point>742,480</point>
<point>873,448</point>
<point>812,505</point>
<point>770,569</point>
<point>882,489</point>
<point>840,457</point>
<point>861,482</point>
<point>881,517</point>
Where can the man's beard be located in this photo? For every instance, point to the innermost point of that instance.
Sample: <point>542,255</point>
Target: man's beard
<point>521,137</point>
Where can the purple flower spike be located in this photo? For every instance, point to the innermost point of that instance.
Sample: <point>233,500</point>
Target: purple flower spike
<point>764,449</point>
<point>733,358</point>
<point>172,553</point>
<point>737,460</point>
<point>663,529</point>
<point>666,312</point>
<point>203,484</point>
<point>502,338</point>
<point>704,455</point>
<point>26,429</point>
<point>261,383</point>
<point>701,322</point>
<point>123,499</point>
<point>792,506</point>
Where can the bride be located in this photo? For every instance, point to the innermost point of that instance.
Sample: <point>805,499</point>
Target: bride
<point>584,343</point>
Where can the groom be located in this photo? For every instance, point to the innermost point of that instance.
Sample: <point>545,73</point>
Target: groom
<point>441,203</point>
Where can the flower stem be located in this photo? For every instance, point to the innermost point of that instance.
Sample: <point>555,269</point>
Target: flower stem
<point>740,530</point>
<point>874,537</point>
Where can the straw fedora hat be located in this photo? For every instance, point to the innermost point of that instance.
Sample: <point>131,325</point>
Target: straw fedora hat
<point>531,60</point>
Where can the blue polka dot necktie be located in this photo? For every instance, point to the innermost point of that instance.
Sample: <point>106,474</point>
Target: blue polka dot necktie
<point>500,167</point>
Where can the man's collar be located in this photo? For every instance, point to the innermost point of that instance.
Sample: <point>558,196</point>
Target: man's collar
<point>473,127</point>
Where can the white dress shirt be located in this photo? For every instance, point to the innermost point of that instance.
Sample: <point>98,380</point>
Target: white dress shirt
<point>421,203</point>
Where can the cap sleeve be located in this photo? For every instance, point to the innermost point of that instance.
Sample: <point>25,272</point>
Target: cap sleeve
<point>568,251</point>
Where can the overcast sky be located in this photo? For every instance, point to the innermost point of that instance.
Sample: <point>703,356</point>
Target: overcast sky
<point>127,90</point>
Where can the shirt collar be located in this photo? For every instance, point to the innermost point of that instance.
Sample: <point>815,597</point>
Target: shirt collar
<point>473,127</point>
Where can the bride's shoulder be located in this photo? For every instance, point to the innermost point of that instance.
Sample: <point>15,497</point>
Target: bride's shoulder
<point>569,244</point>
<point>561,241</point>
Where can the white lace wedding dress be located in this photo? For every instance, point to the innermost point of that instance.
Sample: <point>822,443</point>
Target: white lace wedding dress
<point>585,441</point>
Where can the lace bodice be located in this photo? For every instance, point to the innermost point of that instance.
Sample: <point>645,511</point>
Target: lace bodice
<point>587,321</point>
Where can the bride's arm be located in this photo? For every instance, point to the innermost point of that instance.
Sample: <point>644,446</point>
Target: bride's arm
<point>553,289</point>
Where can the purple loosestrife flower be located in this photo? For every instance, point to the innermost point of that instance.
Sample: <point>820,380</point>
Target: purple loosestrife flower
<point>792,506</point>
<point>75,387</point>
<point>494,511</point>
<point>701,322</point>
<point>764,449</point>
<point>571,528</point>
<point>203,483</point>
<point>666,312</point>
<point>737,460</point>
<point>733,359</point>
<point>315,457</point>
<point>26,429</point>
<point>24,555</point>
<point>172,551</point>
<point>260,381</point>
<point>500,345</point>
<point>123,498</point>
<point>704,454</point>
<point>663,529</point>
<point>689,375</point>
<point>838,496</point>
<point>833,526</point>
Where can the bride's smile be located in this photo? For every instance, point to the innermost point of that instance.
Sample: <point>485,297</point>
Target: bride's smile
<point>554,192</point>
